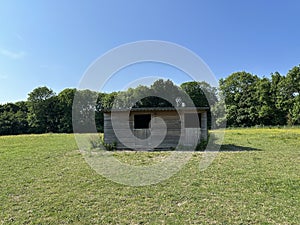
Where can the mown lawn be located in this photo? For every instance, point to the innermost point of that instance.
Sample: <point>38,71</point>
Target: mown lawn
<point>253,180</point>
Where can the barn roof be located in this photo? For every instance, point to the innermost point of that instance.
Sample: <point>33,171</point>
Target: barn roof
<point>152,109</point>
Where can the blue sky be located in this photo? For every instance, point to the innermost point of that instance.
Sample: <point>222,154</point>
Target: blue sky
<point>52,43</point>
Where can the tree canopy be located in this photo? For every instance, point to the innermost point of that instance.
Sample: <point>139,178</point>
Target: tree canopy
<point>249,100</point>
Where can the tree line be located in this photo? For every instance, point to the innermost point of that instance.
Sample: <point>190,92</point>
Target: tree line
<point>249,100</point>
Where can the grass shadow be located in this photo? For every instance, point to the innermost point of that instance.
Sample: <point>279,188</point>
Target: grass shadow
<point>214,147</point>
<point>237,148</point>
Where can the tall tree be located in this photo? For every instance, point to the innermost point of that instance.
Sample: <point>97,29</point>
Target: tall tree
<point>107,100</point>
<point>43,110</point>
<point>239,92</point>
<point>13,118</point>
<point>65,101</point>
<point>84,108</point>
<point>265,105</point>
<point>165,93</point>
<point>277,97</point>
<point>99,117</point>
<point>292,83</point>
<point>295,111</point>
<point>201,93</point>
<point>162,93</point>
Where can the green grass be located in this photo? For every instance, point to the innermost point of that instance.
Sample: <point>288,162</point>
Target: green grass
<point>253,180</point>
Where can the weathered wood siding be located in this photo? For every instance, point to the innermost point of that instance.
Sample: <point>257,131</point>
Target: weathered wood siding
<point>173,122</point>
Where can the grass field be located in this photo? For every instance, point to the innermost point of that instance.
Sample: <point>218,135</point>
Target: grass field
<point>253,180</point>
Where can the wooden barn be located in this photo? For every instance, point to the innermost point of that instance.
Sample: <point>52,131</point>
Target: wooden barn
<point>155,128</point>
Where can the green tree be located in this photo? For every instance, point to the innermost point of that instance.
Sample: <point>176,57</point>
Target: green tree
<point>287,90</point>
<point>295,111</point>
<point>165,93</point>
<point>99,117</point>
<point>292,92</point>
<point>84,108</point>
<point>107,100</point>
<point>43,110</point>
<point>162,93</point>
<point>65,101</point>
<point>239,92</point>
<point>13,118</point>
<point>265,104</point>
<point>201,93</point>
<point>277,97</point>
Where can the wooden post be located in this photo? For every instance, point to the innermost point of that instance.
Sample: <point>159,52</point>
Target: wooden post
<point>204,130</point>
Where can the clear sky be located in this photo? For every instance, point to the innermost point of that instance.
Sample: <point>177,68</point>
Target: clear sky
<point>52,43</point>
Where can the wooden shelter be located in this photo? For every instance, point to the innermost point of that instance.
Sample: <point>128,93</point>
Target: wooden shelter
<point>155,128</point>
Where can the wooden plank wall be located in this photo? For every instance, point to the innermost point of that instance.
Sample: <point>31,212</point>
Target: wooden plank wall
<point>172,121</point>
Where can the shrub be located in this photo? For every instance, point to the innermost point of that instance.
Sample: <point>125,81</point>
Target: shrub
<point>98,143</point>
<point>201,146</point>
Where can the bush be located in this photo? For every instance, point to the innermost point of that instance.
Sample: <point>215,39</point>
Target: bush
<point>99,143</point>
<point>201,146</point>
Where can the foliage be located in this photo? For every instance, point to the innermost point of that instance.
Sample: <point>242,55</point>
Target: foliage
<point>239,92</point>
<point>295,111</point>
<point>162,93</point>
<point>251,100</point>
<point>201,93</point>
<point>43,110</point>
<point>13,118</point>
<point>98,143</point>
<point>110,147</point>
<point>246,100</point>
<point>201,146</point>
<point>84,110</point>
<point>65,102</point>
